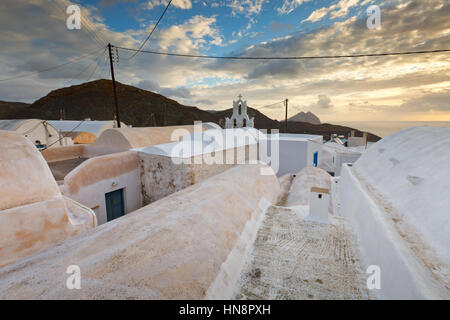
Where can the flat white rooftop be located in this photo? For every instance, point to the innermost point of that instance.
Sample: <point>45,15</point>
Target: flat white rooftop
<point>205,142</point>
<point>294,137</point>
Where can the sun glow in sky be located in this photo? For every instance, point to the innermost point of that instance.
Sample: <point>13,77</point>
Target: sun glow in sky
<point>403,88</point>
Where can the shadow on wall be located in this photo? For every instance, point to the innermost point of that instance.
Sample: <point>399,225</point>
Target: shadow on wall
<point>137,261</point>
<point>33,213</point>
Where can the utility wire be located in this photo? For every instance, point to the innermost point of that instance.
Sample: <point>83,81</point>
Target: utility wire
<point>154,28</point>
<point>288,58</point>
<point>96,68</point>
<point>84,69</point>
<point>271,105</point>
<point>104,66</point>
<point>63,136</point>
<point>55,67</point>
<point>84,21</point>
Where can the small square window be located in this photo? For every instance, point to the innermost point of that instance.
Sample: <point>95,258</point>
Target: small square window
<point>320,196</point>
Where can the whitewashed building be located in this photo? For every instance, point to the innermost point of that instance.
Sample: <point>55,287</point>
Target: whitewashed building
<point>239,118</point>
<point>396,199</point>
<point>290,153</point>
<point>41,133</point>
<point>85,131</point>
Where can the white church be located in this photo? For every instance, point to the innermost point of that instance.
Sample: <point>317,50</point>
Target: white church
<point>239,119</point>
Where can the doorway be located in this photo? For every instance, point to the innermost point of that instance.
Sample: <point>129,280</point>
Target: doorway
<point>316,159</point>
<point>115,206</point>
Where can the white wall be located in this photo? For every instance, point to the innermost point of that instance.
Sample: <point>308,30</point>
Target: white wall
<point>296,152</point>
<point>318,206</point>
<point>341,158</point>
<point>35,130</point>
<point>89,182</point>
<point>402,275</point>
<point>185,246</point>
<point>93,196</point>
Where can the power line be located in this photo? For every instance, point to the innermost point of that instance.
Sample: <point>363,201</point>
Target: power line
<point>55,67</point>
<point>270,105</point>
<point>288,58</point>
<point>84,21</point>
<point>85,69</point>
<point>154,28</point>
<point>104,66</point>
<point>63,136</point>
<point>97,62</point>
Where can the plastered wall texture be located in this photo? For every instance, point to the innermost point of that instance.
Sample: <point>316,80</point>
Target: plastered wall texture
<point>115,140</point>
<point>160,176</point>
<point>124,139</point>
<point>64,153</point>
<point>33,213</point>
<point>172,249</point>
<point>90,181</point>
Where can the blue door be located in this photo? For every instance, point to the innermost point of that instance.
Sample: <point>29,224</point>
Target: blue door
<point>316,158</point>
<point>115,207</point>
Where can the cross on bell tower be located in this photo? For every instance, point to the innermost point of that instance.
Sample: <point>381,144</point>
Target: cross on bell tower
<point>239,118</point>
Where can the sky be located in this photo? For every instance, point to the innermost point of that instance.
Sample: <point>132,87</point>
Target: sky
<point>35,37</point>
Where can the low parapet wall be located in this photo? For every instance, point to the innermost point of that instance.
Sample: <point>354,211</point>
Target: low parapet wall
<point>403,275</point>
<point>33,214</point>
<point>31,228</point>
<point>64,153</point>
<point>189,245</point>
<point>89,182</point>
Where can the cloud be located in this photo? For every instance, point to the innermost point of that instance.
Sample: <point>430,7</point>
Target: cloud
<point>324,102</point>
<point>390,85</point>
<point>150,85</point>
<point>180,4</point>
<point>343,8</point>
<point>190,36</point>
<point>338,10</point>
<point>431,101</point>
<point>290,5</point>
<point>279,26</point>
<point>246,7</point>
<point>317,15</point>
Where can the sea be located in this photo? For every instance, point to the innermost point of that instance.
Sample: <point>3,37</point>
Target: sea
<point>385,128</point>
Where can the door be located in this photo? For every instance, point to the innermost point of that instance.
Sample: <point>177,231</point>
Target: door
<point>316,158</point>
<point>115,207</point>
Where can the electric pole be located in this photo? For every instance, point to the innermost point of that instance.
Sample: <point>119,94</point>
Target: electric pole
<point>286,116</point>
<point>111,62</point>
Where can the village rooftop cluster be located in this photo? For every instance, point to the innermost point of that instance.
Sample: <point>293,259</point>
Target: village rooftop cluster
<point>180,213</point>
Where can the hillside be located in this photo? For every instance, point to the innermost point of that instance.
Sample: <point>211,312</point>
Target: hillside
<point>7,108</point>
<point>95,100</point>
<point>324,129</point>
<point>305,117</point>
<point>142,108</point>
